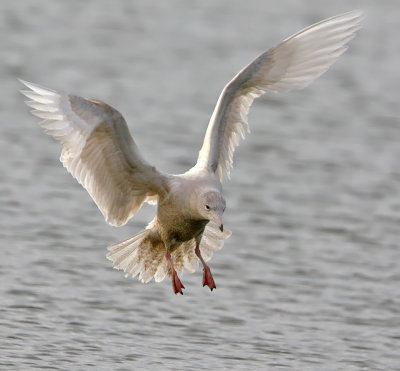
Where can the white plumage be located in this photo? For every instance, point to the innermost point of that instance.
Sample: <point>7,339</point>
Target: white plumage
<point>98,150</point>
<point>292,64</point>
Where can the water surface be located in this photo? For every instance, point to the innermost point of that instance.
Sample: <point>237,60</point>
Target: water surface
<point>309,279</point>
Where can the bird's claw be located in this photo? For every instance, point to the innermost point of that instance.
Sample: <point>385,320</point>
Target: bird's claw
<point>177,285</point>
<point>208,279</point>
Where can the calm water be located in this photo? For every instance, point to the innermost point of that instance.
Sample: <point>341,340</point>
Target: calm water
<point>309,280</point>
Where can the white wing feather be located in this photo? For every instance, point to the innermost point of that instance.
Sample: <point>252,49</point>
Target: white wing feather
<point>292,64</point>
<point>98,151</point>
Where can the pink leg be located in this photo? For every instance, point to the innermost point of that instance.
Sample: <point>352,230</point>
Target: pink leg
<point>207,276</point>
<point>176,282</point>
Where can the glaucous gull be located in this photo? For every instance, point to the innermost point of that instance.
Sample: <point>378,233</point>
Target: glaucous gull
<point>98,150</point>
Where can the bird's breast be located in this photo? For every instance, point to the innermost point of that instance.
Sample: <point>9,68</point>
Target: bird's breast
<point>177,228</point>
<point>188,230</point>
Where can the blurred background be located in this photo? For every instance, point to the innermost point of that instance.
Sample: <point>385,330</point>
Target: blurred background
<point>310,278</point>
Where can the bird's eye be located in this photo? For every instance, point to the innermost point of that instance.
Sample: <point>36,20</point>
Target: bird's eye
<point>207,207</point>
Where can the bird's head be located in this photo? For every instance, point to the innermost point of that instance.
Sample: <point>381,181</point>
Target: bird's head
<point>211,206</point>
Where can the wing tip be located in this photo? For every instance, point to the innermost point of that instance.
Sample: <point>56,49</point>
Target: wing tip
<point>41,90</point>
<point>354,17</point>
<point>23,82</point>
<point>358,15</point>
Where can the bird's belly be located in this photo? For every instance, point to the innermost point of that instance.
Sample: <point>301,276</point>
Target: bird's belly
<point>187,230</point>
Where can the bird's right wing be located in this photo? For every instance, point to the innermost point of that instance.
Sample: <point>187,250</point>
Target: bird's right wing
<point>292,64</point>
<point>98,151</point>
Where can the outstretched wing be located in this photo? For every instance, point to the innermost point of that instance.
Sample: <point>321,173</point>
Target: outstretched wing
<point>292,64</point>
<point>98,151</point>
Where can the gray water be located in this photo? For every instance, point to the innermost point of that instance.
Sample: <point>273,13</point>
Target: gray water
<point>309,280</point>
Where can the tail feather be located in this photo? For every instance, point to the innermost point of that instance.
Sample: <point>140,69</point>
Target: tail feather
<point>122,253</point>
<point>151,256</point>
<point>162,271</point>
<point>118,247</point>
<point>144,255</point>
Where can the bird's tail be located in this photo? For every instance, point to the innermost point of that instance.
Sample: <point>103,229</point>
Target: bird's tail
<point>141,255</point>
<point>144,255</point>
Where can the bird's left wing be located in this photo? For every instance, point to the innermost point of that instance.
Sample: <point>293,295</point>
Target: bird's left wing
<point>98,151</point>
<point>292,64</point>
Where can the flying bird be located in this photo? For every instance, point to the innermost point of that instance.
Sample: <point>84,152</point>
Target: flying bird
<point>98,150</point>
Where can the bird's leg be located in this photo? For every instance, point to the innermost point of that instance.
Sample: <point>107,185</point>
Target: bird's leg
<point>176,282</point>
<point>207,276</point>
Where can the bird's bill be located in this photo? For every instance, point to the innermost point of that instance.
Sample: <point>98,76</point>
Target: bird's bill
<point>218,221</point>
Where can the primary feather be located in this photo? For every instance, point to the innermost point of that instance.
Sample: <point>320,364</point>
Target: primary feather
<point>292,64</point>
<point>98,151</point>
